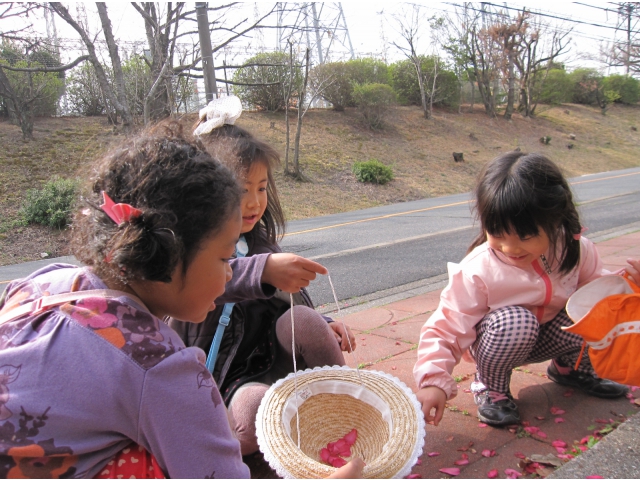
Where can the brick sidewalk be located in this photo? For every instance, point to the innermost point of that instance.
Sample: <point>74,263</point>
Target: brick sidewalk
<point>387,339</point>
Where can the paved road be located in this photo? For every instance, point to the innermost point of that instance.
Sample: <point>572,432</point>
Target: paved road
<point>384,248</point>
<point>373,252</point>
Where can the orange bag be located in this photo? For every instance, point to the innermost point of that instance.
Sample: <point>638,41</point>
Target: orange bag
<point>606,313</point>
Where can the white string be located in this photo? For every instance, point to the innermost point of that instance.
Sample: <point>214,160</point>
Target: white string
<point>344,327</point>
<point>295,368</point>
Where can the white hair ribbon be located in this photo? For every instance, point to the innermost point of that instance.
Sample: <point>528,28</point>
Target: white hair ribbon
<point>221,111</point>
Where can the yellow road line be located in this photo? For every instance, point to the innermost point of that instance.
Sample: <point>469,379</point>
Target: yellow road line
<point>375,218</point>
<point>608,178</point>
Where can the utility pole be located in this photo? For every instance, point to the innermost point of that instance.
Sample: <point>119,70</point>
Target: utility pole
<point>204,33</point>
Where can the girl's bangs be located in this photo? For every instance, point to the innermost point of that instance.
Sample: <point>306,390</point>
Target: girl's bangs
<point>511,211</point>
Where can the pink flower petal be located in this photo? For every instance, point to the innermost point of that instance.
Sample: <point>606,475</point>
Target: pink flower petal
<point>584,440</point>
<point>324,455</point>
<point>337,462</point>
<point>433,454</point>
<point>593,476</point>
<point>482,425</point>
<point>492,473</point>
<point>393,368</point>
<point>557,411</point>
<point>532,467</point>
<point>565,456</point>
<point>418,462</point>
<point>539,418</point>
<point>634,388</point>
<point>414,475</point>
<point>467,390</point>
<point>541,434</point>
<point>561,450</point>
<point>531,429</point>
<point>488,453</point>
<point>520,455</point>
<point>461,462</point>
<point>454,472</point>
<point>511,473</point>
<point>559,443</point>
<point>568,393</point>
<point>558,420</point>
<point>351,437</point>
<point>602,420</point>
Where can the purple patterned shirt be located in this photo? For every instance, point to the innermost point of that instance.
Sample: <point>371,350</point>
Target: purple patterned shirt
<point>78,383</point>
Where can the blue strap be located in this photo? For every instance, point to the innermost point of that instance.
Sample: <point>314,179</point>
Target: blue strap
<point>241,250</point>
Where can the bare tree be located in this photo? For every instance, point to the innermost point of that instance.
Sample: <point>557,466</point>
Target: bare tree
<point>118,100</point>
<point>410,27</point>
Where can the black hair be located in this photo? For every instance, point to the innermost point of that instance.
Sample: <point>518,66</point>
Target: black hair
<point>521,193</point>
<point>238,149</point>
<point>185,197</point>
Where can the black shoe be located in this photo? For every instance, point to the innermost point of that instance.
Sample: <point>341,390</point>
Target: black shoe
<point>496,409</point>
<point>589,384</point>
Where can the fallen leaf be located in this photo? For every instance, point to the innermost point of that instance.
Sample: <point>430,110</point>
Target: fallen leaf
<point>433,454</point>
<point>473,450</point>
<point>511,473</point>
<point>557,411</point>
<point>544,471</point>
<point>540,418</point>
<point>492,473</point>
<point>636,401</point>
<point>558,420</point>
<point>454,472</point>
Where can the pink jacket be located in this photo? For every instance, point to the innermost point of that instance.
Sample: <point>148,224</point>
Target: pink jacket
<point>484,282</point>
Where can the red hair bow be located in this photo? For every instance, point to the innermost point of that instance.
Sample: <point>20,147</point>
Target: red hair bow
<point>118,212</point>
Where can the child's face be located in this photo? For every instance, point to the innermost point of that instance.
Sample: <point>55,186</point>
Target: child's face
<point>519,252</point>
<point>190,297</point>
<point>254,199</point>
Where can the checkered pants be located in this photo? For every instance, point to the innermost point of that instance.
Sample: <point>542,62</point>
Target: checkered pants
<point>512,336</point>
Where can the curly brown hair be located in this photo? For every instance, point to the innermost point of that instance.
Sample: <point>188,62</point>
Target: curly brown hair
<point>185,196</point>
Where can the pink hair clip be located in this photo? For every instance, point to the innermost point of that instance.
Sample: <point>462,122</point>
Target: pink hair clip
<point>578,235</point>
<point>118,212</point>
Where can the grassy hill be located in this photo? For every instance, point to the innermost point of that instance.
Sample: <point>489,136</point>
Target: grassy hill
<point>418,150</point>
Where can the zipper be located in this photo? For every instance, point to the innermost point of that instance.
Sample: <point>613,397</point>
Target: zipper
<point>544,274</point>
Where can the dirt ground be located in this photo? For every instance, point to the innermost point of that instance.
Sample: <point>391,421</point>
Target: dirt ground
<point>419,151</point>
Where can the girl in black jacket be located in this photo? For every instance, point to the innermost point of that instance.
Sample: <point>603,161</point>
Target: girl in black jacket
<point>255,350</point>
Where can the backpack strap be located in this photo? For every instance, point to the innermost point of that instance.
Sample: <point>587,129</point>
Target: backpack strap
<point>241,250</point>
<point>49,301</point>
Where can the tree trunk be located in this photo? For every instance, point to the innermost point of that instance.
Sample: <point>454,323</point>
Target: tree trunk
<point>511,91</point>
<point>423,95</point>
<point>297,174</point>
<point>118,76</point>
<point>473,95</point>
<point>21,109</point>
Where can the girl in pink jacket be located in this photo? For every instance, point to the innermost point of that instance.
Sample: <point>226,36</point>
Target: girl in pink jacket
<point>505,301</point>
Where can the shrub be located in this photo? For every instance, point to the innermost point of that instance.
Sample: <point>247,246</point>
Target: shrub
<point>557,88</point>
<point>51,205</point>
<point>405,82</point>
<point>374,101</point>
<point>625,89</point>
<point>274,69</point>
<point>586,83</point>
<point>372,171</point>
<point>341,77</point>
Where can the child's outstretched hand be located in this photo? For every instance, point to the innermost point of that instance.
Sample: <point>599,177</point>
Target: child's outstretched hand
<point>633,269</point>
<point>353,469</point>
<point>430,398</point>
<point>346,339</point>
<point>290,272</point>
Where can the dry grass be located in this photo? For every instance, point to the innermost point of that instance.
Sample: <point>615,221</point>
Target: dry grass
<point>418,150</point>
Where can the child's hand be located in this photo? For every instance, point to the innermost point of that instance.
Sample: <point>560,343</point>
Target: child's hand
<point>290,272</point>
<point>338,331</point>
<point>353,469</point>
<point>429,398</point>
<point>633,269</point>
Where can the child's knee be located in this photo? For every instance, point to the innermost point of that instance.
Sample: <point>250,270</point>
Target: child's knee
<point>506,318</point>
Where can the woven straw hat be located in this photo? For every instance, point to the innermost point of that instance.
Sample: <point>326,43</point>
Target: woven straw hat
<point>331,401</point>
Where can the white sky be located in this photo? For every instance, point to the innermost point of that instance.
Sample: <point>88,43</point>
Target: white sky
<point>369,23</point>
